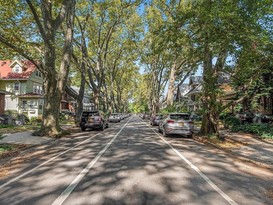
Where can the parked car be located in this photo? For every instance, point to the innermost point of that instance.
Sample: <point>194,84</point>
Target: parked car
<point>155,119</point>
<point>262,118</point>
<point>196,117</point>
<point>94,120</point>
<point>176,123</point>
<point>245,117</point>
<point>115,117</point>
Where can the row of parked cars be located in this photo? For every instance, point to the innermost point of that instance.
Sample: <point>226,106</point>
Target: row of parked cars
<point>173,123</point>
<point>249,117</point>
<point>95,119</point>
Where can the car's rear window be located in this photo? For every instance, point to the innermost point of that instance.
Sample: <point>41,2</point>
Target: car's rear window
<point>180,117</point>
<point>85,114</point>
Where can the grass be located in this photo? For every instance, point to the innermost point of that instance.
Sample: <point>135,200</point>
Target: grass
<point>7,150</point>
<point>5,147</point>
<point>13,129</point>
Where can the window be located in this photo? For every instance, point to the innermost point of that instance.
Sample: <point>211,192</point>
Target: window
<point>38,74</point>
<point>16,86</point>
<point>32,104</point>
<point>24,104</point>
<point>37,89</point>
<point>16,69</point>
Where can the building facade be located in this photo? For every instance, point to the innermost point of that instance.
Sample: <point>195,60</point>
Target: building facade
<point>22,83</point>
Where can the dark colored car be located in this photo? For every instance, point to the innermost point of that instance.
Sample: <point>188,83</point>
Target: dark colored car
<point>93,120</point>
<point>176,123</point>
<point>155,119</point>
<point>246,117</point>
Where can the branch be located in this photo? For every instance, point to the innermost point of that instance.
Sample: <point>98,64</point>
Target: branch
<point>60,18</point>
<point>21,52</point>
<point>37,19</point>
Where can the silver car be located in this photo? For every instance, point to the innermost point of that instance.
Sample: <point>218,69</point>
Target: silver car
<point>115,117</point>
<point>176,123</point>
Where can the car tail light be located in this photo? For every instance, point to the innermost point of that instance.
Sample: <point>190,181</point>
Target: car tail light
<point>170,121</point>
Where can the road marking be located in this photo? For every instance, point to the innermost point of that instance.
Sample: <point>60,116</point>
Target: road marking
<point>195,168</point>
<point>77,180</point>
<point>51,159</point>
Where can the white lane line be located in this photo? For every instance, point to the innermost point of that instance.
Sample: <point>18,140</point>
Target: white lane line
<point>77,180</point>
<point>195,168</point>
<point>51,159</point>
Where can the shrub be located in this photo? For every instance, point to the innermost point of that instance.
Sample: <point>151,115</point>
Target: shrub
<point>5,126</point>
<point>35,120</point>
<point>13,113</point>
<point>231,121</point>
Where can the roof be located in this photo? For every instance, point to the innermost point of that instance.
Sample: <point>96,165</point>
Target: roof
<point>6,70</point>
<point>183,89</point>
<point>195,90</point>
<point>196,79</point>
<point>5,92</point>
<point>224,78</point>
<point>30,95</point>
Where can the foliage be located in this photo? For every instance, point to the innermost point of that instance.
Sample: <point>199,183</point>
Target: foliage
<point>230,121</point>
<point>173,108</point>
<point>13,113</point>
<point>264,131</point>
<point>5,126</point>
<point>5,147</point>
<point>35,121</point>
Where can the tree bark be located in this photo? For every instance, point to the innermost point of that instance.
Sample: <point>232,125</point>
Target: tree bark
<point>55,83</point>
<point>171,85</point>
<point>210,122</point>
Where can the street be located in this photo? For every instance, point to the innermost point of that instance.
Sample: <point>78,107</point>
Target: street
<point>131,163</point>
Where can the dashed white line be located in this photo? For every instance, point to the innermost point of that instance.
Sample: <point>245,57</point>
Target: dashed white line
<point>77,180</point>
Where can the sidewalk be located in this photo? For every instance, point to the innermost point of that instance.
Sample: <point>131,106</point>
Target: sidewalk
<point>24,138</point>
<point>251,148</point>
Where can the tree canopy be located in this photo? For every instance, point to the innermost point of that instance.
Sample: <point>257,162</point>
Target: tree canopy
<point>133,55</point>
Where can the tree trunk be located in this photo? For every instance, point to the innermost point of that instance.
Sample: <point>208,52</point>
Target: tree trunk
<point>209,102</point>
<point>80,96</point>
<point>171,85</point>
<point>52,98</point>
<point>55,83</point>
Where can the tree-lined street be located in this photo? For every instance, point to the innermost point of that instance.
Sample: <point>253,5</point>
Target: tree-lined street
<point>202,68</point>
<point>131,163</point>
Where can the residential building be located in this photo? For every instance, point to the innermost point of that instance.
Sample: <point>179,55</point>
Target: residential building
<point>195,89</point>
<point>69,104</point>
<point>22,83</point>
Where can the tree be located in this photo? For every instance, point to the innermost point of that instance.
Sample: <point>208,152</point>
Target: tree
<point>220,30</point>
<point>35,28</point>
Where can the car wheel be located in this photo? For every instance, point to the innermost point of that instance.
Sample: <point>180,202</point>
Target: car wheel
<point>164,133</point>
<point>102,127</point>
<point>190,136</point>
<point>83,129</point>
<point>159,130</point>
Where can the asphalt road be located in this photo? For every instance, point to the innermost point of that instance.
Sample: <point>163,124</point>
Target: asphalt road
<point>131,163</point>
